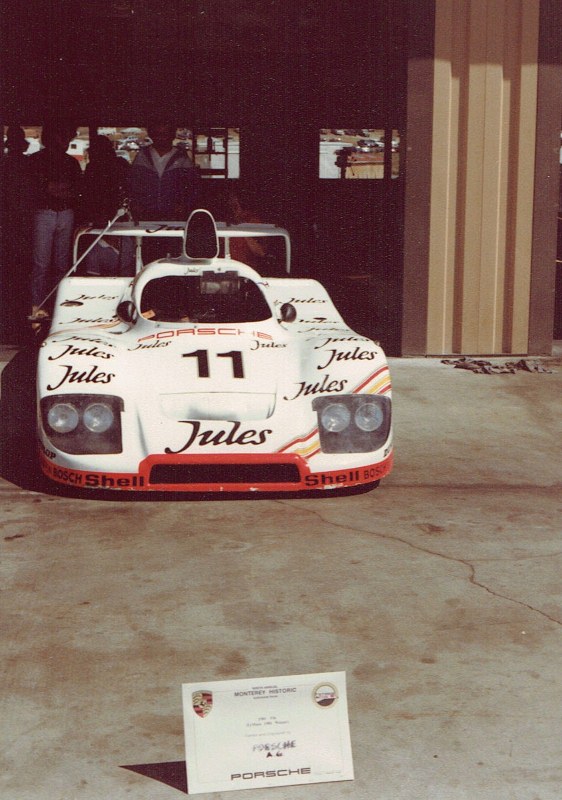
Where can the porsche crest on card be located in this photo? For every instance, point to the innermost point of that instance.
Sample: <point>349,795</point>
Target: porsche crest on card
<point>202,703</point>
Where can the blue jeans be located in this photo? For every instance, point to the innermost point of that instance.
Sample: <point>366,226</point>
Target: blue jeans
<point>52,243</point>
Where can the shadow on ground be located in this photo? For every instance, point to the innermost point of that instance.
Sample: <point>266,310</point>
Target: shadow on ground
<point>18,459</point>
<point>172,773</point>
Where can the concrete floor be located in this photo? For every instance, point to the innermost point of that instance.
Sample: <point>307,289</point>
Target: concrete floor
<point>439,594</point>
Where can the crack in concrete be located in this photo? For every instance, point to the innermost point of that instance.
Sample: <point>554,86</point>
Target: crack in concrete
<point>469,565</point>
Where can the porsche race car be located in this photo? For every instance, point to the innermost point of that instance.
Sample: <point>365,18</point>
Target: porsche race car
<point>200,375</point>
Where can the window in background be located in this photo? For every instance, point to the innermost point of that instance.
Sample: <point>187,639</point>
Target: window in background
<point>77,147</point>
<point>357,153</point>
<point>216,152</point>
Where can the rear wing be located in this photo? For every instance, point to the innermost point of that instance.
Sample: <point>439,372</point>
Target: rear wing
<point>163,229</point>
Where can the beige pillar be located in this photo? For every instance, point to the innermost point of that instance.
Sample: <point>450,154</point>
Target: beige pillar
<point>485,101</point>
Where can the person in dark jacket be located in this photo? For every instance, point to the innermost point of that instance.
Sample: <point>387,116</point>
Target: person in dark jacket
<point>105,188</point>
<point>106,182</point>
<point>56,180</point>
<point>164,183</point>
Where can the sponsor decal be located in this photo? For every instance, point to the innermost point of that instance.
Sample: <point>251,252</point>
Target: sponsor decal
<point>46,452</point>
<point>327,386</point>
<point>257,345</point>
<point>98,480</point>
<point>75,338</point>
<point>322,330</point>
<point>97,321</point>
<point>347,355</point>
<point>72,350</point>
<point>219,331</point>
<point>71,375</point>
<point>333,340</point>
<point>92,480</point>
<point>349,477</point>
<point>270,773</point>
<point>325,695</point>
<point>149,346</point>
<point>78,301</point>
<point>295,300</point>
<point>318,321</point>
<point>234,436</point>
<point>202,703</point>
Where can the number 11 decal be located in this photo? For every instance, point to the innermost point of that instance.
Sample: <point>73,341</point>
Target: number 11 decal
<point>202,357</point>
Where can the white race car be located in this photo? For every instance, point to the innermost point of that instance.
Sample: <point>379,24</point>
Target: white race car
<point>199,375</point>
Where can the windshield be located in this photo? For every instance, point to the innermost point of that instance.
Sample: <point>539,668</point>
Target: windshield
<point>202,299</point>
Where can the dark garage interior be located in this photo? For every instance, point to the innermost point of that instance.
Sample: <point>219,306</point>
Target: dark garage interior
<point>280,72</point>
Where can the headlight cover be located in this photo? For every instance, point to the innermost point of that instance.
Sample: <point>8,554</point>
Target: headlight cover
<point>63,417</point>
<point>368,422</point>
<point>98,417</point>
<point>335,417</point>
<point>83,423</point>
<point>369,417</point>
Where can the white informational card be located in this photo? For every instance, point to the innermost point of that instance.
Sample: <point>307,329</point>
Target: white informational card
<point>251,733</point>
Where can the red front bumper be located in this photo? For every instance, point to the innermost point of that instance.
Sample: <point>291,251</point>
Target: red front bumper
<point>273,472</point>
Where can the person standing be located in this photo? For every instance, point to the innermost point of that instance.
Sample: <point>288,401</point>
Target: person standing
<point>164,183</point>
<point>105,182</point>
<point>104,191</point>
<point>55,179</point>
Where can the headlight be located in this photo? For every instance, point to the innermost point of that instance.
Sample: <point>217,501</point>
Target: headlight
<point>369,417</point>
<point>83,423</point>
<point>98,417</point>
<point>354,423</point>
<point>63,417</point>
<point>335,417</point>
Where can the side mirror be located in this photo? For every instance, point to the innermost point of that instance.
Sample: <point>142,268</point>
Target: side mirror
<point>288,312</point>
<point>126,311</point>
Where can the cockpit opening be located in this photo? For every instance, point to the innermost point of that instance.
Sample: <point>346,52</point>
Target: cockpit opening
<point>204,298</point>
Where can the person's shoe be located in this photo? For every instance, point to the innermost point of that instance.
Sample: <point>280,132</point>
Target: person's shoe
<point>37,316</point>
<point>37,313</point>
